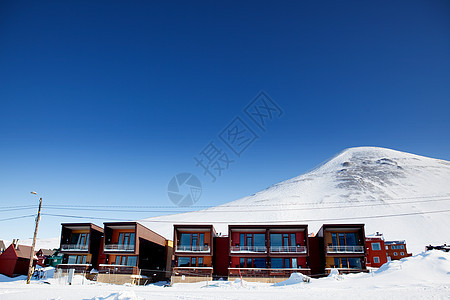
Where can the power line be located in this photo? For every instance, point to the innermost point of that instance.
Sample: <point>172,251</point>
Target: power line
<point>219,210</point>
<point>210,206</point>
<point>259,222</point>
<point>19,217</point>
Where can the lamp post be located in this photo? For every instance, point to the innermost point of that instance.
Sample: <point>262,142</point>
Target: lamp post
<point>30,266</point>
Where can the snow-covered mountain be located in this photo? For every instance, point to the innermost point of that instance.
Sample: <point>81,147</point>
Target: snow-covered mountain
<point>402,195</point>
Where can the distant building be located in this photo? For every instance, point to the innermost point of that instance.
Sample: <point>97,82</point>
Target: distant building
<point>43,256</point>
<point>2,247</point>
<point>445,248</point>
<point>376,251</point>
<point>16,259</point>
<point>396,250</point>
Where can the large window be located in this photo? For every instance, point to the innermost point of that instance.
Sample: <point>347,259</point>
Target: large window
<point>79,239</point>
<point>347,263</point>
<point>284,263</point>
<point>376,260</point>
<point>126,238</point>
<point>192,241</point>
<point>190,261</point>
<point>252,239</point>
<point>282,239</point>
<point>76,259</point>
<point>344,239</point>
<point>126,260</point>
<point>252,262</point>
<point>376,246</point>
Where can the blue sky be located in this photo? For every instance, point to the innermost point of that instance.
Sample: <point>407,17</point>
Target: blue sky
<point>102,102</point>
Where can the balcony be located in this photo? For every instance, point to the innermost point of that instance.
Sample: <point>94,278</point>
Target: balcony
<point>193,248</point>
<point>345,249</point>
<point>288,249</point>
<point>74,247</point>
<point>248,249</point>
<point>119,247</point>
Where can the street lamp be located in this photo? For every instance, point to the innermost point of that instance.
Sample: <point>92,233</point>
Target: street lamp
<point>30,266</point>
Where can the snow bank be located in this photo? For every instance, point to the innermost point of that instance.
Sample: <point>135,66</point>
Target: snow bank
<point>295,278</point>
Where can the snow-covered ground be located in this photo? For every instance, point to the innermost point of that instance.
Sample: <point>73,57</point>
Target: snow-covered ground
<point>424,276</point>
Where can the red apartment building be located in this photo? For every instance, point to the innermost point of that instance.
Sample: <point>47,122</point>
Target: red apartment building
<point>80,246</point>
<point>193,252</point>
<point>267,251</point>
<point>343,247</point>
<point>376,251</point>
<point>132,253</point>
<point>396,250</point>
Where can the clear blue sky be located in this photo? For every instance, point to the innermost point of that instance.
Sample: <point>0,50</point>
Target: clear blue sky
<point>102,102</point>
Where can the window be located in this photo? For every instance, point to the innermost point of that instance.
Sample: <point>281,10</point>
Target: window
<point>252,239</point>
<point>376,246</point>
<point>190,261</point>
<point>126,238</point>
<point>344,239</point>
<point>259,262</point>
<point>387,247</point>
<point>194,241</point>
<point>376,260</point>
<point>276,263</point>
<point>252,262</point>
<point>183,261</point>
<point>280,240</point>
<point>294,263</point>
<point>132,261</point>
<point>79,239</point>
<point>125,260</point>
<point>71,259</point>
<point>76,259</point>
<point>352,263</point>
<point>402,253</point>
<point>284,263</point>
<point>395,253</point>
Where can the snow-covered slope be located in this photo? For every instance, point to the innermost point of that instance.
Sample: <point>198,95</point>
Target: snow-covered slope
<point>396,193</point>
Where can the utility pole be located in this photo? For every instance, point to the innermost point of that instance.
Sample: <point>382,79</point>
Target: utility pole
<point>30,266</point>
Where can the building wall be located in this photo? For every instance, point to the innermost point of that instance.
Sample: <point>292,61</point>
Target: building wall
<point>391,252</point>
<point>371,254</point>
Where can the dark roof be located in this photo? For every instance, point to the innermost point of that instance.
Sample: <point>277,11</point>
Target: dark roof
<point>47,252</point>
<point>23,251</point>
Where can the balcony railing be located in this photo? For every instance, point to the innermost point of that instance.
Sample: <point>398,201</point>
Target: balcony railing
<point>118,269</point>
<point>74,247</point>
<point>193,248</point>
<point>263,272</point>
<point>288,249</point>
<point>79,268</point>
<point>248,249</point>
<point>193,271</point>
<point>345,249</point>
<point>119,247</point>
